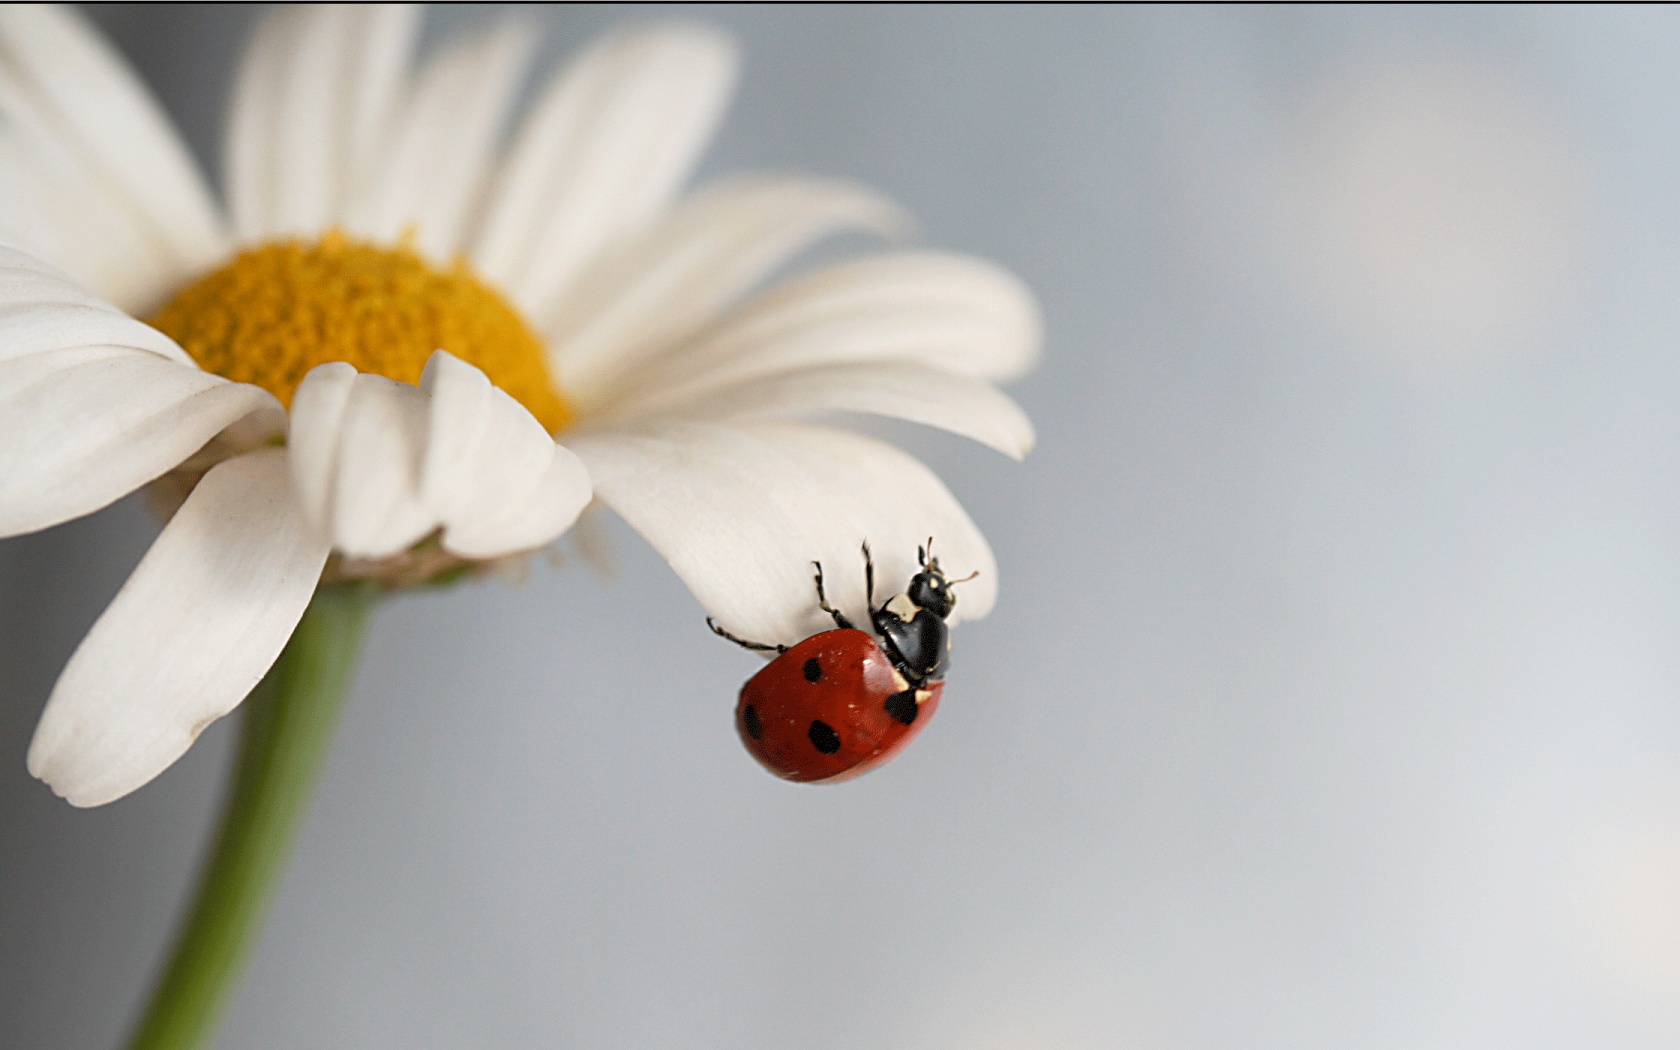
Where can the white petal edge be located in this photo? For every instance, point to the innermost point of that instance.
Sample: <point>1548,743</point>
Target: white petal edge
<point>660,288</point>
<point>379,465</point>
<point>123,135</point>
<point>946,311</point>
<point>606,146</point>
<point>741,512</point>
<point>437,158</point>
<point>201,620</point>
<point>933,397</point>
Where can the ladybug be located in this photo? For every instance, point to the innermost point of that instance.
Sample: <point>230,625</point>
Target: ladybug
<point>840,703</point>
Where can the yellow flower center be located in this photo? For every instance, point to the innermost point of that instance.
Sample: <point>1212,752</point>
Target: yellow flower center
<point>277,310</point>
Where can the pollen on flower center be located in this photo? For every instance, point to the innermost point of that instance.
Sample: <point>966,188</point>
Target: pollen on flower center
<point>277,310</point>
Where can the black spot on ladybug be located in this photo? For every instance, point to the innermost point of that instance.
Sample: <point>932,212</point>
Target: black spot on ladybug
<point>903,706</point>
<point>749,718</point>
<point>813,670</point>
<point>823,737</point>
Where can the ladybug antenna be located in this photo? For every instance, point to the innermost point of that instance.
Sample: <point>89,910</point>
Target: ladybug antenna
<point>925,554</point>
<point>965,579</point>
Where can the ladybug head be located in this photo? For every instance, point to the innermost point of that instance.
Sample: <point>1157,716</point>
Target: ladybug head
<point>929,589</point>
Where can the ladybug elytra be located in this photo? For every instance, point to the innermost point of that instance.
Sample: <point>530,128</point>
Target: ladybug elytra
<point>840,703</point>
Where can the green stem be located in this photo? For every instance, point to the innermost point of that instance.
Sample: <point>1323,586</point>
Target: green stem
<point>289,722</point>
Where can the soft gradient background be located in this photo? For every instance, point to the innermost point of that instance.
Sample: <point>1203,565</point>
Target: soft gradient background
<point>1333,698</point>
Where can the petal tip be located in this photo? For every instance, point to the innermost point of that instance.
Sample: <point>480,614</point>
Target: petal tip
<point>1026,439</point>
<point>51,767</point>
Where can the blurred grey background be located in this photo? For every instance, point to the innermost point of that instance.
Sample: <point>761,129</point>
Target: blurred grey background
<point>1332,699</point>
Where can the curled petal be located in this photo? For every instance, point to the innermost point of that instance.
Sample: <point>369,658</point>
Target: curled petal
<point>355,444</point>
<point>376,510</point>
<point>193,630</point>
<point>493,477</point>
<point>740,512</point>
<point>606,146</point>
<point>380,464</point>
<point>316,420</point>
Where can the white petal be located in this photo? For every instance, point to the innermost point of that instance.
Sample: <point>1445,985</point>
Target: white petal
<point>970,407</point>
<point>658,289</point>
<point>306,119</point>
<point>193,630</point>
<point>432,176</point>
<point>550,507</point>
<point>83,427</point>
<point>253,114</point>
<point>607,146</point>
<point>903,504</point>
<point>71,96</point>
<point>950,312</point>
<point>317,418</point>
<point>380,465</point>
<point>94,404</point>
<point>741,512</point>
<point>493,476</point>
<point>376,510</point>
<point>383,52</point>
<point>42,308</point>
<point>312,104</point>
<point>57,209</point>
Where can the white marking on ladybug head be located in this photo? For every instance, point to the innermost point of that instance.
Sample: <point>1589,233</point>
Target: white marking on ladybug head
<point>902,607</point>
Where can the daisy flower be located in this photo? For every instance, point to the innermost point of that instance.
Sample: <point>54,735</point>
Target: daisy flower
<point>415,342</point>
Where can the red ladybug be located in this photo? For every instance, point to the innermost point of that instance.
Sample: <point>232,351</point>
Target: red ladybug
<point>839,704</point>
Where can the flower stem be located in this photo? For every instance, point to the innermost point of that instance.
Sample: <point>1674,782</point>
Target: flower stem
<point>288,724</point>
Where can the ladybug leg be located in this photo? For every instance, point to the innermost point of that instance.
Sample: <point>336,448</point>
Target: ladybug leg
<point>869,576</point>
<point>742,642</point>
<point>822,600</point>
